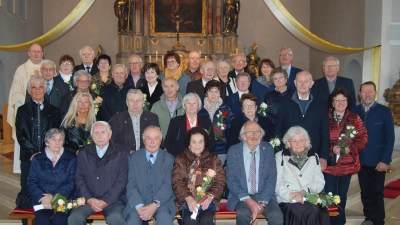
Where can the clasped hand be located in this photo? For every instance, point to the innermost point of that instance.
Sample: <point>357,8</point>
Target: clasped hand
<point>147,212</point>
<point>96,204</point>
<point>254,207</point>
<point>46,201</point>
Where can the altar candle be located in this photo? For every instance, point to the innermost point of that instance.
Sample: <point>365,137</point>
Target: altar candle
<point>200,54</point>
<point>156,56</point>
<point>149,58</point>
<point>162,61</point>
<point>237,51</point>
<point>205,58</point>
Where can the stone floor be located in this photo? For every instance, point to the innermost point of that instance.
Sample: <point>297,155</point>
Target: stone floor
<point>9,187</point>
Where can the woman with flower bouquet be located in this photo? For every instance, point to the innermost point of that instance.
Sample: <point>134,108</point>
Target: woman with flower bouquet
<point>198,180</point>
<point>220,115</point>
<point>348,137</point>
<point>52,171</point>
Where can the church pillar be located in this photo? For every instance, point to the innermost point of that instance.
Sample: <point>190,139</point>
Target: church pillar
<point>137,17</point>
<point>146,18</point>
<point>210,18</point>
<point>218,17</point>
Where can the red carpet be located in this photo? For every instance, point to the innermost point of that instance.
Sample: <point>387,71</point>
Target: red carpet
<point>392,190</point>
<point>9,155</point>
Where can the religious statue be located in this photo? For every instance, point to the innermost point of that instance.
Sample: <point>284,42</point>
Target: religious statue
<point>123,11</point>
<point>232,8</point>
<point>99,52</point>
<point>253,60</point>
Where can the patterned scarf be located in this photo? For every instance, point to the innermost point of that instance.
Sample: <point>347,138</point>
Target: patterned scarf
<point>195,170</point>
<point>264,81</point>
<point>175,75</point>
<point>337,118</point>
<point>299,159</point>
<point>212,107</point>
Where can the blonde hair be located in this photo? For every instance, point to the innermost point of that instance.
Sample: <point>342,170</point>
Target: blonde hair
<point>71,118</point>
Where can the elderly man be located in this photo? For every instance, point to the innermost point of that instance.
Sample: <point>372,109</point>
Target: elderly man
<point>101,177</point>
<point>251,177</point>
<point>86,53</point>
<point>33,120</point>
<point>135,78</point>
<point>194,63</point>
<point>114,94</point>
<point>324,86</point>
<point>376,157</point>
<point>243,81</point>
<point>16,98</point>
<point>308,111</point>
<point>197,86</point>
<point>285,59</point>
<point>149,189</point>
<point>55,88</point>
<point>128,126</point>
<point>169,105</point>
<point>239,64</point>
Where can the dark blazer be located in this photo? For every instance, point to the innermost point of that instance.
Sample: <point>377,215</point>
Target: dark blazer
<point>197,87</point>
<point>122,129</point>
<point>379,123</point>
<point>315,121</point>
<point>176,134</point>
<point>67,99</point>
<point>236,174</point>
<point>75,138</point>
<point>232,74</point>
<point>321,88</point>
<point>139,83</point>
<point>45,179</point>
<point>70,84</point>
<point>114,101</point>
<point>233,102</point>
<point>259,90</point>
<point>93,69</point>
<point>56,94</point>
<point>158,91</point>
<point>146,185</point>
<point>292,77</point>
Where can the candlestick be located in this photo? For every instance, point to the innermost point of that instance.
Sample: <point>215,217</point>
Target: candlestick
<point>149,58</point>
<point>156,56</point>
<point>162,62</point>
<point>200,54</point>
<point>237,51</point>
<point>205,58</point>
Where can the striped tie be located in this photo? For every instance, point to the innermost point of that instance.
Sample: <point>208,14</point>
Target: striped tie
<point>151,162</point>
<point>253,171</point>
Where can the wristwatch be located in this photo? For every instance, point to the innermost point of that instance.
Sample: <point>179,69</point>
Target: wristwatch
<point>157,203</point>
<point>263,203</point>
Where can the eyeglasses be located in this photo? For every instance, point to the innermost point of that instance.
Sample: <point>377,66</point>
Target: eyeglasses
<point>83,81</point>
<point>66,64</point>
<point>208,69</point>
<point>248,106</point>
<point>238,61</point>
<point>135,101</point>
<point>103,63</point>
<point>279,78</point>
<point>287,55</point>
<point>135,63</point>
<point>83,103</point>
<point>47,69</point>
<point>301,141</point>
<point>250,133</point>
<point>330,66</point>
<point>171,61</point>
<point>340,100</point>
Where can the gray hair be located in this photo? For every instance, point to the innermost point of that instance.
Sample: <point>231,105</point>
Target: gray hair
<point>35,80</point>
<point>241,133</point>
<point>175,81</point>
<point>53,132</point>
<point>189,96</point>
<point>206,62</point>
<point>78,73</point>
<point>243,74</point>
<point>286,48</point>
<point>126,70</point>
<point>86,46</point>
<point>151,127</point>
<point>135,55</point>
<point>331,58</point>
<point>46,61</point>
<point>134,91</point>
<point>296,130</point>
<point>100,122</point>
<point>221,61</point>
<point>278,70</point>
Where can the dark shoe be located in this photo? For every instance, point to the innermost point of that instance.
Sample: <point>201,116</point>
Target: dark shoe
<point>367,222</point>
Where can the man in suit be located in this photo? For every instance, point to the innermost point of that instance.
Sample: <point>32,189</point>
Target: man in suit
<point>308,111</point>
<point>86,53</point>
<point>251,177</point>
<point>135,78</point>
<point>101,177</point>
<point>239,64</point>
<point>285,59</point>
<point>376,157</point>
<point>324,86</point>
<point>197,86</point>
<point>128,126</point>
<point>194,66</point>
<point>243,81</point>
<point>55,88</point>
<point>149,189</point>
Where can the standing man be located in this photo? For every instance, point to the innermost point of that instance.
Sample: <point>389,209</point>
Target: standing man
<point>285,59</point>
<point>308,111</point>
<point>239,64</point>
<point>194,66</point>
<point>101,177</point>
<point>251,177</point>
<point>135,78</point>
<point>16,98</point>
<point>324,86</point>
<point>149,189</point>
<point>376,157</point>
<point>197,86</point>
<point>33,120</point>
<point>128,126</point>
<point>87,57</point>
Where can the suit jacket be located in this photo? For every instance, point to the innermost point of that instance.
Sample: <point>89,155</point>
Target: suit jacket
<point>232,84</point>
<point>236,174</point>
<point>93,69</point>
<point>56,94</point>
<point>232,74</point>
<point>176,134</point>
<point>122,129</point>
<point>321,88</point>
<point>233,102</point>
<point>139,83</point>
<point>292,77</point>
<point>114,101</point>
<point>158,91</point>
<point>146,185</point>
<point>197,87</point>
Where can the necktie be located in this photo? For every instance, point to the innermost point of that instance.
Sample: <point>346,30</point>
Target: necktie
<point>252,177</point>
<point>88,69</point>
<point>54,160</point>
<point>288,72</point>
<point>39,142</point>
<point>151,162</point>
<point>48,89</point>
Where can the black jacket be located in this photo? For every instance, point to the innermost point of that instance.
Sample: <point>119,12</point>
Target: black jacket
<point>26,124</point>
<point>93,70</point>
<point>114,101</point>
<point>56,94</point>
<point>75,138</point>
<point>158,91</point>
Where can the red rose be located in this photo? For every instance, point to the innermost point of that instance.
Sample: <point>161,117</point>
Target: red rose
<point>355,124</point>
<point>224,113</point>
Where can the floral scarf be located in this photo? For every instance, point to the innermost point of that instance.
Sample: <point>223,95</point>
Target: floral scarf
<point>300,159</point>
<point>175,75</point>
<point>212,107</point>
<point>264,81</point>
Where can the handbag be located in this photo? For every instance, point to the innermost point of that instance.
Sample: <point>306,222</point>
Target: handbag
<point>23,201</point>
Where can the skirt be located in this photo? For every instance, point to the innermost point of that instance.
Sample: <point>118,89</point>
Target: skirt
<point>304,214</point>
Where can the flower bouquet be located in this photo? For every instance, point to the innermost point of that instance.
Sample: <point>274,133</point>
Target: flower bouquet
<point>325,199</point>
<point>346,139</point>
<point>201,190</point>
<point>59,203</point>
<point>146,104</point>
<point>263,107</point>
<point>88,140</point>
<point>220,126</point>
<point>276,143</point>
<point>97,102</point>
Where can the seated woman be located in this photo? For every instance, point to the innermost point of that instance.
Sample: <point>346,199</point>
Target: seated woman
<point>152,88</point>
<point>190,168</point>
<point>214,108</point>
<point>52,171</point>
<point>172,62</point>
<point>103,77</point>
<point>78,121</point>
<point>298,170</point>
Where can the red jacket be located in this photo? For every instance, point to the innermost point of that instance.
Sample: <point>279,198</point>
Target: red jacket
<point>350,163</point>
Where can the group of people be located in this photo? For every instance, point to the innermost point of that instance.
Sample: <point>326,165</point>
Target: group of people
<point>139,145</point>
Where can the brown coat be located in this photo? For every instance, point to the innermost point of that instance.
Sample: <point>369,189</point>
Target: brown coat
<point>180,176</point>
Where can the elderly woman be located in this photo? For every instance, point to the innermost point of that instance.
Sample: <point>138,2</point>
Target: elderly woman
<point>248,104</point>
<point>280,77</point>
<point>152,88</point>
<point>190,167</point>
<point>220,115</point>
<point>172,62</point>
<point>180,125</point>
<point>263,84</point>
<point>223,68</point>
<point>103,77</point>
<point>299,170</point>
<point>67,64</point>
<point>342,166</point>
<point>52,171</point>
<point>78,121</point>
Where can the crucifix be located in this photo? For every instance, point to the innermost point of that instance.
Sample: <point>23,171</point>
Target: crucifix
<point>177,21</point>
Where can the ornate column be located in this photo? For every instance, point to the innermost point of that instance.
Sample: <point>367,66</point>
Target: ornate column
<point>146,22</point>
<point>210,18</point>
<point>137,16</point>
<point>218,19</point>
<point>138,44</point>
